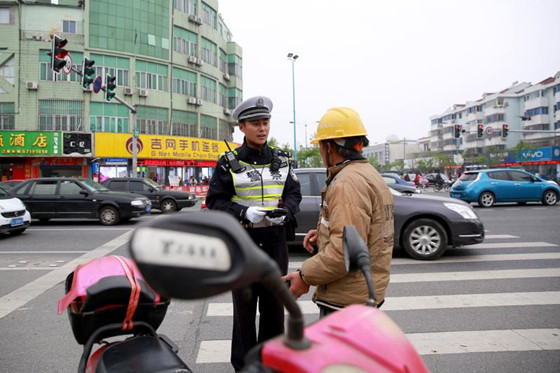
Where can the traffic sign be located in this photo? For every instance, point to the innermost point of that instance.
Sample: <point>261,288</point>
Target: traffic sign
<point>489,130</point>
<point>97,84</point>
<point>67,69</point>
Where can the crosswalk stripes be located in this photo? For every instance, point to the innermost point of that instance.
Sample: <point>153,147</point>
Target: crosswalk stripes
<point>217,351</point>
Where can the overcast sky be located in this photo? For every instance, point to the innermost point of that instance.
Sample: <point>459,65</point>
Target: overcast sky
<point>396,62</point>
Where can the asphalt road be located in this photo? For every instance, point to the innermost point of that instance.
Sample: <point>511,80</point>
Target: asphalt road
<point>489,307</point>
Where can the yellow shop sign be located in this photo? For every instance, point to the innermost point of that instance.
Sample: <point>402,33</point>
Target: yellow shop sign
<point>158,147</point>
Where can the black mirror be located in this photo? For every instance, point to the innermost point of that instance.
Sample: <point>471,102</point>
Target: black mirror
<point>84,192</point>
<point>197,255</point>
<point>356,258</point>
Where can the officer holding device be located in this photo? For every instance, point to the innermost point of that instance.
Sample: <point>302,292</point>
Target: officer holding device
<point>256,185</point>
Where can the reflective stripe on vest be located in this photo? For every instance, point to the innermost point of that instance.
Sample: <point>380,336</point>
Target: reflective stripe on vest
<point>249,191</point>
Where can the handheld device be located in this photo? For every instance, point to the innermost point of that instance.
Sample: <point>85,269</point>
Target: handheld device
<point>276,213</point>
<point>233,161</point>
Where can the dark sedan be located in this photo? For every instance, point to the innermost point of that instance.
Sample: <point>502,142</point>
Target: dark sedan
<point>424,225</point>
<point>48,198</point>
<point>162,199</point>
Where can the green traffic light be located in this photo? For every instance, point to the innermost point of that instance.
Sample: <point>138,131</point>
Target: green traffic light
<point>110,85</point>
<point>88,72</point>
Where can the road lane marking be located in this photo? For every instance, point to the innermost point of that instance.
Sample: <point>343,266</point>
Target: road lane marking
<point>499,236</point>
<point>19,297</point>
<point>475,275</point>
<point>225,309</point>
<point>218,351</point>
<point>506,245</point>
<point>486,341</point>
<point>465,259</point>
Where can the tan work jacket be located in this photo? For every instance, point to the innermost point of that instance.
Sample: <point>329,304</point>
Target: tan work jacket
<point>355,194</point>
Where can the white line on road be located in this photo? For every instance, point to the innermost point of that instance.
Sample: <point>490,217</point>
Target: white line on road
<point>218,351</point>
<point>499,236</point>
<point>475,275</point>
<point>465,259</point>
<point>428,302</point>
<point>505,245</point>
<point>33,289</point>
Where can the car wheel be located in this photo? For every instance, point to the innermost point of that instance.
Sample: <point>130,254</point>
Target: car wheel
<point>108,215</point>
<point>425,239</point>
<point>168,205</point>
<point>17,231</point>
<point>550,198</point>
<point>486,199</point>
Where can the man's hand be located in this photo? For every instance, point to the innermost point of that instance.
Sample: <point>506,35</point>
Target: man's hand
<point>298,287</point>
<point>310,238</point>
<point>255,214</point>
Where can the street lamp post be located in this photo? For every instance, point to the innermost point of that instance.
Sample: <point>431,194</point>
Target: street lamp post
<point>294,57</point>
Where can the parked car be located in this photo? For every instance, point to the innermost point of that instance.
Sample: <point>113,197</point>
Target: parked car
<point>392,182</point>
<point>424,225</point>
<point>487,187</point>
<point>14,217</point>
<point>64,197</point>
<point>11,183</point>
<point>162,199</point>
<point>397,179</point>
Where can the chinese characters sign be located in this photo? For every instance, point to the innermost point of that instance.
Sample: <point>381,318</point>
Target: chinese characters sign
<point>29,143</point>
<point>158,147</point>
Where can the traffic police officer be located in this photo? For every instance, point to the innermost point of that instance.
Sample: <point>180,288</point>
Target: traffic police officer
<point>253,183</point>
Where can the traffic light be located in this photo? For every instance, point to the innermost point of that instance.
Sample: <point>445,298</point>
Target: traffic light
<point>457,130</point>
<point>88,71</point>
<point>58,53</point>
<point>505,130</point>
<point>110,85</point>
<point>479,130</point>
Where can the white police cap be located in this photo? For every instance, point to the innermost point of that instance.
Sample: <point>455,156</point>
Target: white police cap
<point>253,108</point>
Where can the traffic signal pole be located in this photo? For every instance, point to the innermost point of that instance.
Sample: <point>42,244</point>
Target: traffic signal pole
<point>133,110</point>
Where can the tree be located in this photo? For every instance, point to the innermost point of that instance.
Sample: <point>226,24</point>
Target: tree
<point>373,161</point>
<point>309,157</point>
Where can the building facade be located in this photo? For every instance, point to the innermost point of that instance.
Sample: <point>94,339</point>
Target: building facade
<point>174,62</point>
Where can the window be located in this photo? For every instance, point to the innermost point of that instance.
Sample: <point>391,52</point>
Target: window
<point>208,127</point>
<point>43,187</point>
<point>138,186</point>
<point>7,71</point>
<point>4,16</point>
<point>209,16</point>
<point>305,184</point>
<point>389,180</point>
<point>498,175</point>
<point>105,117</point>
<point>60,115</point>
<point>118,185</point>
<point>186,6</point>
<point>184,82</point>
<point>184,123</point>
<point>69,187</point>
<point>536,111</point>
<point>7,116</point>
<point>69,27</point>
<point>209,52</point>
<point>151,76</point>
<point>520,176</point>
<point>114,66</point>
<point>185,42</point>
<point>208,89</point>
<point>46,73</point>
<point>152,120</point>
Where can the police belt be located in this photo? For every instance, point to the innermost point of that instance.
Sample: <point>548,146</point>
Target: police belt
<point>262,224</point>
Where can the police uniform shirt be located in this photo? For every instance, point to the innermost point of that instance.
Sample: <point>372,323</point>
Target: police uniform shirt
<point>222,190</point>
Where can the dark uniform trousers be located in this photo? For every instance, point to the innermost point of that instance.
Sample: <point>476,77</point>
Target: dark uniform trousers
<point>271,322</point>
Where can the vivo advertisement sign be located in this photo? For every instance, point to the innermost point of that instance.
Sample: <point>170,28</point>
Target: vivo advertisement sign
<point>535,155</point>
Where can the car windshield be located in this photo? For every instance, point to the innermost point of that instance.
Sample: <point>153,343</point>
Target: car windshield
<point>93,186</point>
<point>153,184</point>
<point>469,176</point>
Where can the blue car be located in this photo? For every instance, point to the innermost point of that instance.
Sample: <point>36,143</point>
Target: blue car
<point>504,185</point>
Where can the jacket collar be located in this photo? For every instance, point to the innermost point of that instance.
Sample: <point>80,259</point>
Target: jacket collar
<point>334,170</point>
<point>250,155</point>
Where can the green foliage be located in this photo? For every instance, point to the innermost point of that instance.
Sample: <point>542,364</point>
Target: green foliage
<point>309,157</point>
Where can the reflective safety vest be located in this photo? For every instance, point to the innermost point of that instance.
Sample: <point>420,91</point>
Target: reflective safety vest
<point>258,186</point>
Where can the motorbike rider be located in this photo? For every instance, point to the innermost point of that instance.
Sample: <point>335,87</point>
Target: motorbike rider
<point>355,194</point>
<point>246,183</point>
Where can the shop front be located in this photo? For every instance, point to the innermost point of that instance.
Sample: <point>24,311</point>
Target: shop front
<point>172,161</point>
<point>544,162</point>
<point>31,154</point>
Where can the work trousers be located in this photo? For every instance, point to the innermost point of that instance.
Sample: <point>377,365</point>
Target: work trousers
<point>271,240</point>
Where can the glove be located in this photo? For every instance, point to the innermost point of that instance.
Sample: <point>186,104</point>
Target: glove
<point>255,214</point>
<point>275,221</point>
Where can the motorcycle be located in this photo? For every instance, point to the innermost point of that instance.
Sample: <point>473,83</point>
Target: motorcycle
<point>202,254</point>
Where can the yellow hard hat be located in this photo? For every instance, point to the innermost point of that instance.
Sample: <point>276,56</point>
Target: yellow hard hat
<point>339,122</point>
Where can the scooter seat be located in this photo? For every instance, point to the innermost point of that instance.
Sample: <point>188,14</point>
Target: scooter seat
<point>140,354</point>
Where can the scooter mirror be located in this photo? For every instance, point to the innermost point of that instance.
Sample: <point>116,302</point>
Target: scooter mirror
<point>356,253</point>
<point>197,255</point>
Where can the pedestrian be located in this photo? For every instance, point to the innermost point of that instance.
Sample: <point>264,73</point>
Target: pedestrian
<point>355,194</point>
<point>406,177</point>
<point>192,180</point>
<point>246,183</point>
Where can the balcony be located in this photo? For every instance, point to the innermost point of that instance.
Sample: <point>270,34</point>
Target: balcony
<point>537,119</point>
<point>536,102</point>
<point>557,97</point>
<point>495,110</point>
<point>475,116</point>
<point>538,136</point>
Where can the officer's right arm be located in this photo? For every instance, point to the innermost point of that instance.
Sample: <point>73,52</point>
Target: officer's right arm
<point>221,191</point>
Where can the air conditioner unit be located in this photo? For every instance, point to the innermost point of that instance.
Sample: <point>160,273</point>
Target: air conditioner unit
<point>143,92</point>
<point>199,101</point>
<point>192,59</point>
<point>192,18</point>
<point>192,100</point>
<point>227,111</point>
<point>128,91</point>
<point>199,61</point>
<point>199,20</point>
<point>32,86</point>
<point>226,76</point>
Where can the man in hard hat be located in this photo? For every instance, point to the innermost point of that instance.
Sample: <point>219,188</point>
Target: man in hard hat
<point>256,185</point>
<point>355,194</point>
